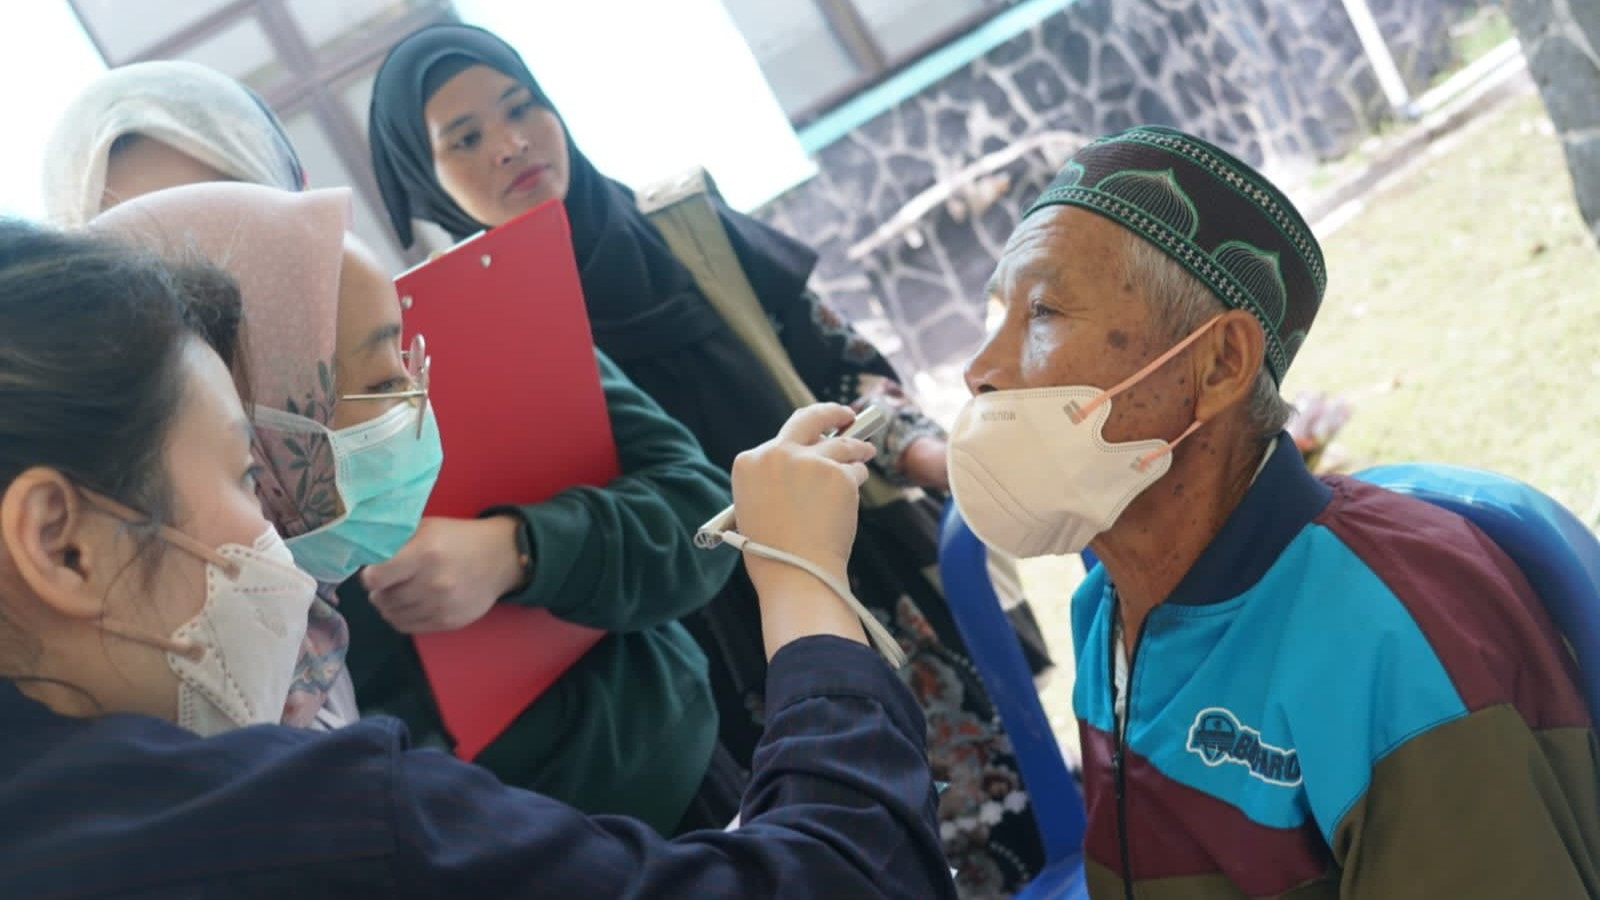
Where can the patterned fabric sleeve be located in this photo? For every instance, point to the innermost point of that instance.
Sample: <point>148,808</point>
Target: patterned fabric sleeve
<point>841,366</point>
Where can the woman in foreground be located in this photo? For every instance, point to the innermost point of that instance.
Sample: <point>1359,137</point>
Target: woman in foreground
<point>138,574</point>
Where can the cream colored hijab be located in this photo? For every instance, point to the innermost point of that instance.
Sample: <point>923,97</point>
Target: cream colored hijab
<point>194,109</point>
<point>286,251</point>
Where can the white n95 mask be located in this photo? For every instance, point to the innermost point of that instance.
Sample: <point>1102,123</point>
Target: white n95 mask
<point>1032,473</point>
<point>235,660</point>
<point>250,631</point>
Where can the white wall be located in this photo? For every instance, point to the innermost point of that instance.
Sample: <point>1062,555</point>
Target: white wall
<point>650,87</point>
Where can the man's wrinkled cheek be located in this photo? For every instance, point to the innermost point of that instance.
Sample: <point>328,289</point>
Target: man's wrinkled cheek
<point>1047,361</point>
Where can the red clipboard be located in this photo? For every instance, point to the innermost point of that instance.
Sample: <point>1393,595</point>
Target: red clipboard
<point>522,417</point>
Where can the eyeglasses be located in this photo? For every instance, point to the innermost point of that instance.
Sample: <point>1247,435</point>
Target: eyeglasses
<point>417,366</point>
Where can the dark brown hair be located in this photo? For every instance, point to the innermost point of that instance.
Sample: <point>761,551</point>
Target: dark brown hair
<point>91,337</point>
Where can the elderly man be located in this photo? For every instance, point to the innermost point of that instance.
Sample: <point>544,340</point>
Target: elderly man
<point>1287,686</point>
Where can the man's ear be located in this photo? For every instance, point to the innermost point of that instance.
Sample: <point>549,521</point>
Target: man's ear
<point>1228,361</point>
<point>45,526</point>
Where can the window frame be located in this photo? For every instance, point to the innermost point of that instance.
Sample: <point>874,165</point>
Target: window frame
<point>311,81</point>
<point>850,28</point>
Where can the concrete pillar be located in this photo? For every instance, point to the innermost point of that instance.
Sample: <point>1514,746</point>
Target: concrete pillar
<point>1561,39</point>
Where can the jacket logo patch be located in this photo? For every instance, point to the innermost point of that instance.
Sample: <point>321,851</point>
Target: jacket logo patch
<point>1217,737</point>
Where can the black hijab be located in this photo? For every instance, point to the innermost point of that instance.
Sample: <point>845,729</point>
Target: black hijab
<point>641,300</point>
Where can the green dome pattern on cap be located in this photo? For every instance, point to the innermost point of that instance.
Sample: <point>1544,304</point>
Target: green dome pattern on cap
<point>1216,216</point>
<point>1158,194</point>
<point>1258,272</point>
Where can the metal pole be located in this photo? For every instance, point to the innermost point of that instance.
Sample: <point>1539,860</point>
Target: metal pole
<point>1394,87</point>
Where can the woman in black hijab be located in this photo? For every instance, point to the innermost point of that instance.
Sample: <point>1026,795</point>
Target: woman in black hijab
<point>463,136</point>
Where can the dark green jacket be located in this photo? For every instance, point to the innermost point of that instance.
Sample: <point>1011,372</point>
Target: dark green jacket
<point>630,728</point>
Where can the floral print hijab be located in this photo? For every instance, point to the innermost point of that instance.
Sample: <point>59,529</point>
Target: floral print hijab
<point>286,251</point>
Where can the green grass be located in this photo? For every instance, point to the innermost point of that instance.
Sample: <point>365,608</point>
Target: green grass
<point>1477,34</point>
<point>1473,281</point>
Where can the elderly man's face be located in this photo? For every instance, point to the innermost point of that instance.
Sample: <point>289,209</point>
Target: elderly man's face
<point>1073,317</point>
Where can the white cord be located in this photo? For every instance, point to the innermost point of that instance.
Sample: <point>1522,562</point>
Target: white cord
<point>881,639</point>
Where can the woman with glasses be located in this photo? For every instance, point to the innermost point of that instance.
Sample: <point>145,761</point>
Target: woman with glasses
<point>349,450</point>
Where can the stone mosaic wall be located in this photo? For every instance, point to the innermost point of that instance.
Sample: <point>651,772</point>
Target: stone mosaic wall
<point>1562,41</point>
<point>1282,83</point>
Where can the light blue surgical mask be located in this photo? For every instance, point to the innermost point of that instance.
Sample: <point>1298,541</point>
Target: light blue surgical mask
<point>385,470</point>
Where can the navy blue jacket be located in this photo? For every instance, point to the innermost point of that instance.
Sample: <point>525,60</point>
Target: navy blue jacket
<point>841,805</point>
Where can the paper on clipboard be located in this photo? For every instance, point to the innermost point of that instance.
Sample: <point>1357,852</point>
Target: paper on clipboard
<point>522,417</point>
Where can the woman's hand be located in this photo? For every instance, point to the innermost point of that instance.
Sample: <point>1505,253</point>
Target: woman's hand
<point>925,464</point>
<point>798,493</point>
<point>448,575</point>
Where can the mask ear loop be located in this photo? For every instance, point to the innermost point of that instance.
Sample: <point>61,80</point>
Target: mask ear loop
<point>1078,413</point>
<point>1144,461</point>
<point>187,649</point>
<point>171,535</point>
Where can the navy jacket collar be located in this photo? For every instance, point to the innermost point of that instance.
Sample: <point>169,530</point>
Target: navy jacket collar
<point>1283,500</point>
